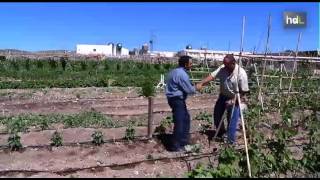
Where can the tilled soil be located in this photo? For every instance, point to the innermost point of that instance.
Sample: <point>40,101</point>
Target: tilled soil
<point>78,159</point>
<point>108,103</point>
<point>118,158</point>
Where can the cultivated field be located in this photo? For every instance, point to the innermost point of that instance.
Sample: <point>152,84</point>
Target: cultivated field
<point>62,118</point>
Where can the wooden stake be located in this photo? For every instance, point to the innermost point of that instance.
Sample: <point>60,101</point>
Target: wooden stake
<point>294,66</point>
<point>239,101</point>
<point>259,97</point>
<point>265,62</point>
<point>150,116</point>
<point>280,86</point>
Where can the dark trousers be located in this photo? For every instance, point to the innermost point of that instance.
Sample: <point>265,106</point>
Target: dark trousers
<point>233,120</point>
<point>181,119</point>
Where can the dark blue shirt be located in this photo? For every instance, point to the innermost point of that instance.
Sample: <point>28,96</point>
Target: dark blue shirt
<point>178,84</point>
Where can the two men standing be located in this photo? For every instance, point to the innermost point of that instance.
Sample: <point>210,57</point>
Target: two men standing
<point>179,87</point>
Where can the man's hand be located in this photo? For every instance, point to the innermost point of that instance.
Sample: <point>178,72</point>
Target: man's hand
<point>244,99</point>
<point>205,81</point>
<point>229,103</point>
<point>199,86</point>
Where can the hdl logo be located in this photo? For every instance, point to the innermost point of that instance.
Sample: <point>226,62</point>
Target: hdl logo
<point>294,19</point>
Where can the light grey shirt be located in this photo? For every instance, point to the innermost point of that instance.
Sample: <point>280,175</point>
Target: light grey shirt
<point>228,82</point>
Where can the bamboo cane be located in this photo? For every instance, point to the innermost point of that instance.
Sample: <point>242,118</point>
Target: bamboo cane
<point>294,66</point>
<point>280,86</point>
<point>265,62</point>
<point>259,97</point>
<point>239,101</point>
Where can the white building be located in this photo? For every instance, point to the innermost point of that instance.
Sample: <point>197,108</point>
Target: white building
<point>106,50</point>
<point>166,54</point>
<point>208,54</point>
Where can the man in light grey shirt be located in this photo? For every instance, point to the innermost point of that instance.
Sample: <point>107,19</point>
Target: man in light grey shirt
<point>228,73</point>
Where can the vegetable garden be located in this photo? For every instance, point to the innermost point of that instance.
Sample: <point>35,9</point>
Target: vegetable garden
<point>89,118</point>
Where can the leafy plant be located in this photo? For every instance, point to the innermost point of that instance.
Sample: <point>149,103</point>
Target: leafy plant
<point>157,66</point>
<point>167,66</point>
<point>83,65</point>
<point>228,166</point>
<point>118,67</point>
<point>15,65</point>
<point>94,64</point>
<point>63,63</point>
<point>200,171</point>
<point>260,162</point>
<point>196,148</point>
<point>203,116</point>
<point>164,124</point>
<point>18,124</point>
<point>311,156</point>
<point>2,58</point>
<point>283,157</point>
<point>39,64</point>
<point>130,132</point>
<point>14,142</point>
<point>56,139</point>
<point>90,119</point>
<point>106,66</point>
<point>148,89</point>
<point>44,124</point>
<point>52,63</point>
<point>204,128</point>
<point>97,138</point>
<point>287,117</point>
<point>27,64</point>
<point>207,118</point>
<point>81,74</point>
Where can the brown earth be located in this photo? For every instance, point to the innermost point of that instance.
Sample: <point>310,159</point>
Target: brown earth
<point>112,159</point>
<point>115,104</point>
<point>119,103</point>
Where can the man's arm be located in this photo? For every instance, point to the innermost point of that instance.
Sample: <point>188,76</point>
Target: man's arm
<point>204,82</point>
<point>212,76</point>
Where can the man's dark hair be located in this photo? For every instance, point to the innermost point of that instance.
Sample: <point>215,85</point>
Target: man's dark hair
<point>230,57</point>
<point>183,60</point>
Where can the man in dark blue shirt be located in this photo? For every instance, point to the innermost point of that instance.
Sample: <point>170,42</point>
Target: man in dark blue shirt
<point>178,87</point>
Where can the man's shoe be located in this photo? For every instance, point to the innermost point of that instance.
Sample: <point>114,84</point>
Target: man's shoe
<point>221,133</point>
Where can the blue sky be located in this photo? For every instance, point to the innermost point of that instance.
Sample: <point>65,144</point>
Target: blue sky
<point>48,26</point>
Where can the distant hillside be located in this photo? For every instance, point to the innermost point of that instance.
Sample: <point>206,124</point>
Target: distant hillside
<point>53,52</point>
<point>22,52</point>
<point>14,51</point>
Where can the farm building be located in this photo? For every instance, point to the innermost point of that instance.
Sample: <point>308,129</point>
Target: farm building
<point>108,50</point>
<point>166,54</point>
<point>208,54</point>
